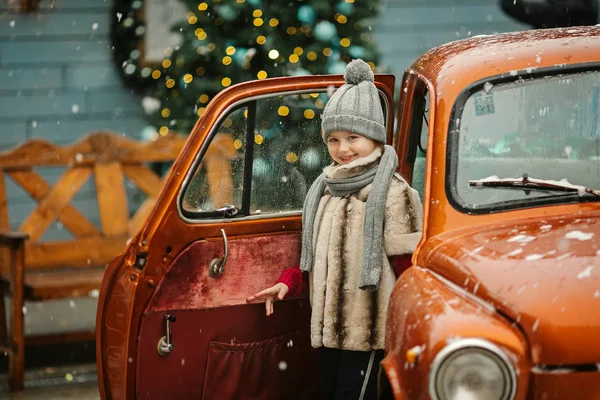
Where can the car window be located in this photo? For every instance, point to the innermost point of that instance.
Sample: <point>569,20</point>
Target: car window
<point>546,127</point>
<point>262,158</point>
<point>266,171</point>
<point>422,125</point>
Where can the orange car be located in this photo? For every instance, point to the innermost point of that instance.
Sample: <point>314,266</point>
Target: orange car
<point>500,135</point>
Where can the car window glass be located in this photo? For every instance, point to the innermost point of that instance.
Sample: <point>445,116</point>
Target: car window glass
<point>546,127</point>
<point>418,178</point>
<point>218,180</point>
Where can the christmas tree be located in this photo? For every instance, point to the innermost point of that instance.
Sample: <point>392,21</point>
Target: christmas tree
<point>225,42</point>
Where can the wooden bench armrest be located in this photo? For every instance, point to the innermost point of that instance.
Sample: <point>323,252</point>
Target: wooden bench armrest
<point>9,238</point>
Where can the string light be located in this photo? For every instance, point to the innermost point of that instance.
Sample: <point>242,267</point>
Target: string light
<point>165,113</point>
<point>298,51</point>
<point>261,74</point>
<point>341,19</point>
<point>163,130</point>
<point>258,21</point>
<point>312,56</point>
<point>203,98</point>
<point>273,54</point>
<point>226,60</point>
<point>257,13</point>
<point>226,82</point>
<point>237,144</point>
<point>230,50</point>
<point>202,35</point>
<point>202,6</point>
<point>293,58</point>
<point>309,114</point>
<point>166,63</point>
<point>156,74</point>
<point>201,111</point>
<point>283,111</point>
<point>258,139</point>
<point>187,78</point>
<point>291,30</point>
<point>345,42</point>
<point>192,20</point>
<point>170,83</point>
<point>261,39</point>
<point>200,71</point>
<point>273,22</point>
<point>327,51</point>
<point>291,157</point>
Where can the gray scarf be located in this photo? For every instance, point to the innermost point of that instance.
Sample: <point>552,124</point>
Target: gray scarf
<point>380,177</point>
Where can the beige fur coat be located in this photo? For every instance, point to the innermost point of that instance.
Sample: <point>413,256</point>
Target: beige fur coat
<point>344,316</point>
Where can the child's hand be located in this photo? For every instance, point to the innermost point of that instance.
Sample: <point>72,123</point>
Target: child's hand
<point>275,292</point>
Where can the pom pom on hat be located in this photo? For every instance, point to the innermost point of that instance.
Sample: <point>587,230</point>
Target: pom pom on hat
<point>358,71</point>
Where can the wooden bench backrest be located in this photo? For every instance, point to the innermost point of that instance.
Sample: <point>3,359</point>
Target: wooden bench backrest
<point>106,157</point>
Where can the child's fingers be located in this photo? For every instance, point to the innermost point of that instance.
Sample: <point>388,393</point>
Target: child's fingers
<point>282,292</point>
<point>269,307</point>
<point>262,295</point>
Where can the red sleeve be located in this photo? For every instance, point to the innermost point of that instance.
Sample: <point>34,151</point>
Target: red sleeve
<point>400,263</point>
<point>295,281</point>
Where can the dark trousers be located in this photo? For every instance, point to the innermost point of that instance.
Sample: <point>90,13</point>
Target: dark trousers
<point>343,374</point>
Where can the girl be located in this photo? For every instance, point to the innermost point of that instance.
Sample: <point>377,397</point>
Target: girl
<point>356,214</point>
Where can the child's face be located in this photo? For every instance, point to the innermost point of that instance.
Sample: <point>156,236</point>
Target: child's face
<point>345,146</point>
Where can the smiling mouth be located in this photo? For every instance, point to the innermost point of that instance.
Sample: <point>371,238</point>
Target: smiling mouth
<point>347,159</point>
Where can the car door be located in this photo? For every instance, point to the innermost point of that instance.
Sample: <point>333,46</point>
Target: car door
<point>172,317</point>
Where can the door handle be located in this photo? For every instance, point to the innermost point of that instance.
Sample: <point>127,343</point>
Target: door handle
<point>216,267</point>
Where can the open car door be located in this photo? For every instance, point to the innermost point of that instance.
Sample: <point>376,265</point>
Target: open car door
<point>172,319</point>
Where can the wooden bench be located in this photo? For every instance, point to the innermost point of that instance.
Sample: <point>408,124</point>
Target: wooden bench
<point>38,269</point>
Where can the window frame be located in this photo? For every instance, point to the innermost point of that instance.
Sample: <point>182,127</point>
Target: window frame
<point>453,136</point>
<point>211,217</point>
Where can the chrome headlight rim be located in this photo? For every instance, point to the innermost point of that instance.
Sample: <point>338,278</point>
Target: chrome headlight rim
<point>462,344</point>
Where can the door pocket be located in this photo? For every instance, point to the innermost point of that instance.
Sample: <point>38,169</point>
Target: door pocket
<point>265,370</point>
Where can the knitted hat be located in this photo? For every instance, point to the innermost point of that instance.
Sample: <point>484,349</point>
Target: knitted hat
<point>355,107</point>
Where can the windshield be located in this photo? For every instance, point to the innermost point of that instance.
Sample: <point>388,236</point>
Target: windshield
<point>545,127</point>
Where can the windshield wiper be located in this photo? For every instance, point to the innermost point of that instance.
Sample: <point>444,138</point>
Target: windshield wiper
<point>532,183</point>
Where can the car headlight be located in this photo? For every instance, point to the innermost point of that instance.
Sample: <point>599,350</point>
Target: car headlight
<point>472,369</point>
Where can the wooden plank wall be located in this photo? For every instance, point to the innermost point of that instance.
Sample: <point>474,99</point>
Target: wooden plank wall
<point>407,28</point>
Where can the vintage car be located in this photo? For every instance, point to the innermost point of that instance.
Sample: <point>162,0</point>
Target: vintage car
<point>499,134</point>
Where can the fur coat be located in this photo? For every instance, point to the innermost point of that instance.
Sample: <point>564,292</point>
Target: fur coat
<point>344,316</point>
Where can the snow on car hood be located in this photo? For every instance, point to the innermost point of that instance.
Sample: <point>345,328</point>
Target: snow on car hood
<point>543,273</point>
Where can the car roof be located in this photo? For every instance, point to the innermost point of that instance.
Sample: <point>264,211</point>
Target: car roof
<point>490,55</point>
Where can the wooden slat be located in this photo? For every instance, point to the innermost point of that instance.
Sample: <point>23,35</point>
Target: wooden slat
<point>144,178</point>
<point>64,284</point>
<point>53,204</point>
<point>97,147</point>
<point>70,217</point>
<point>84,253</point>
<point>62,337</point>
<point>112,199</point>
<point>135,223</point>
<point>4,224</point>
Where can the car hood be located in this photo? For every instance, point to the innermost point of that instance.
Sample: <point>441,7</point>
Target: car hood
<point>543,273</point>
